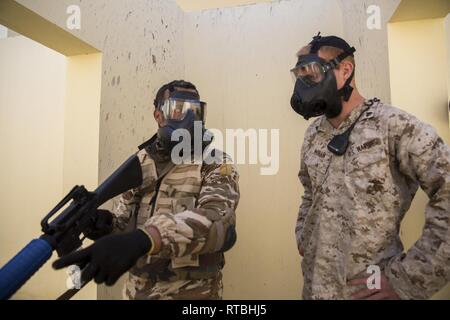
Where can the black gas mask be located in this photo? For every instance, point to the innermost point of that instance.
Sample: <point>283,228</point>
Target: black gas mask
<point>316,92</point>
<point>181,111</point>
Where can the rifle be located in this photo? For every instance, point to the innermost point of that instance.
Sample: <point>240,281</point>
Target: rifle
<point>63,232</point>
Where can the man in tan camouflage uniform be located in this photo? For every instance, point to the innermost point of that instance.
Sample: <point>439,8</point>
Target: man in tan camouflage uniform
<point>353,204</point>
<point>186,210</point>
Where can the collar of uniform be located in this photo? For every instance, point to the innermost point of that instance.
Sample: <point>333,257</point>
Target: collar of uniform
<point>326,127</point>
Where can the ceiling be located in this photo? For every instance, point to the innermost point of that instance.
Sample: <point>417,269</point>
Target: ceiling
<point>421,9</point>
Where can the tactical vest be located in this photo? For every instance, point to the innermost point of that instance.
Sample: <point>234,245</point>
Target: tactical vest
<point>178,191</point>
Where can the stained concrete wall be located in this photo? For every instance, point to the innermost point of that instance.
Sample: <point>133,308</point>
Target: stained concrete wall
<point>240,59</point>
<point>141,43</point>
<point>372,60</point>
<point>194,5</point>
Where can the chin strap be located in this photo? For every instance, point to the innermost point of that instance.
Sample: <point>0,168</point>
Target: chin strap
<point>319,41</point>
<point>346,91</point>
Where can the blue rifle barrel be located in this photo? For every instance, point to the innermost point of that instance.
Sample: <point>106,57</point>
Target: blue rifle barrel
<point>20,268</point>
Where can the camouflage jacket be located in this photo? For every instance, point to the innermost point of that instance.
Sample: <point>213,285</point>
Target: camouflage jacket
<point>194,213</point>
<point>352,206</point>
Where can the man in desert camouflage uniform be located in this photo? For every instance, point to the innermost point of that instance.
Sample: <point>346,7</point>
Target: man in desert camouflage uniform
<point>187,211</point>
<point>356,196</point>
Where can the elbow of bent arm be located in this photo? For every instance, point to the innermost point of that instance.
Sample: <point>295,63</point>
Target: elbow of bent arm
<point>222,234</point>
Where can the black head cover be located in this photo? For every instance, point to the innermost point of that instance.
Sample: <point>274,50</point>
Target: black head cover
<point>330,41</point>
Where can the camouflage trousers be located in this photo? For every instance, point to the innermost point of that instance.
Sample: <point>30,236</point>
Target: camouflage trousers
<point>137,288</point>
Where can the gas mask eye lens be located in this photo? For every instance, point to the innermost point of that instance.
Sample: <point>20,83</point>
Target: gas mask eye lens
<point>310,73</point>
<point>176,109</point>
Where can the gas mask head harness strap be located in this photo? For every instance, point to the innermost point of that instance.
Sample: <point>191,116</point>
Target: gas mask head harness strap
<point>172,87</point>
<point>336,42</point>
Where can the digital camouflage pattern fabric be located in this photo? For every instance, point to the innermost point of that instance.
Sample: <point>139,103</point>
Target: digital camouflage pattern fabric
<point>144,289</point>
<point>353,205</point>
<point>195,215</point>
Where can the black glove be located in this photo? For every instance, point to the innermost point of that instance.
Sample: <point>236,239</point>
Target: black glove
<point>103,225</point>
<point>108,258</point>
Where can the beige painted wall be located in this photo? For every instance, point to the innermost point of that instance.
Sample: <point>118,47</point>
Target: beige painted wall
<point>50,133</point>
<point>82,130</point>
<point>32,87</point>
<point>419,73</point>
<point>82,121</point>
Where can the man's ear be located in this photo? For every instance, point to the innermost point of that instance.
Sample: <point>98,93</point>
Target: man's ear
<point>347,69</point>
<point>157,114</point>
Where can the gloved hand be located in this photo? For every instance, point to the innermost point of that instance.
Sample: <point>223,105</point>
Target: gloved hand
<point>103,225</point>
<point>108,258</point>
